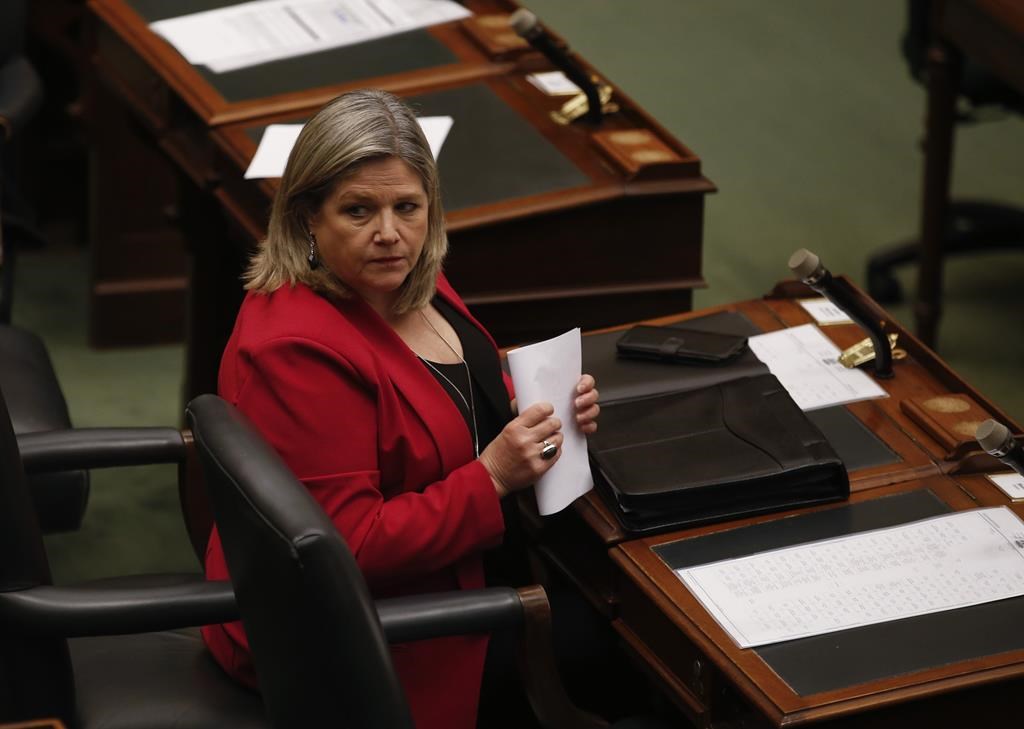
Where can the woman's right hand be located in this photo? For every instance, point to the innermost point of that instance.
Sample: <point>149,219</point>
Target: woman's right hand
<point>513,458</point>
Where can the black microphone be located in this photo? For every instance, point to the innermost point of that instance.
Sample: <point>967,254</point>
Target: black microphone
<point>808,267</point>
<point>527,27</point>
<point>998,441</point>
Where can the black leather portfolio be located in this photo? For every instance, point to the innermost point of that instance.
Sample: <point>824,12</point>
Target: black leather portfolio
<point>734,448</point>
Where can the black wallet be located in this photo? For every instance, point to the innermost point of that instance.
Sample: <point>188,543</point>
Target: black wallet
<point>674,344</point>
<point>733,449</point>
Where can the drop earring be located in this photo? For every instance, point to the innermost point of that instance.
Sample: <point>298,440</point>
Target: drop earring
<point>314,262</point>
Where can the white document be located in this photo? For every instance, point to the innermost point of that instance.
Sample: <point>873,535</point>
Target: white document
<point>936,564</point>
<point>278,139</point>
<point>825,312</point>
<point>549,371</point>
<point>237,36</point>
<point>272,153</point>
<point>553,83</point>
<point>1010,483</point>
<point>806,362</point>
<point>436,129</point>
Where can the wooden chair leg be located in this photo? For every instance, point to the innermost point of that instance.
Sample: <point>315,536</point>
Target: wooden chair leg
<point>544,689</point>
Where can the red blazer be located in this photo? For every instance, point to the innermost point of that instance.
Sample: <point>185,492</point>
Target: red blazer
<point>384,450</point>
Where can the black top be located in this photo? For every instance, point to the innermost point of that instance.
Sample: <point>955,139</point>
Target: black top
<point>504,565</point>
<point>490,398</point>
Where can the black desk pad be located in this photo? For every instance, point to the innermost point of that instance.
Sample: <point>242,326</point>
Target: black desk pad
<point>853,441</point>
<point>491,153</point>
<point>385,56</point>
<point>619,378</point>
<point>846,658</point>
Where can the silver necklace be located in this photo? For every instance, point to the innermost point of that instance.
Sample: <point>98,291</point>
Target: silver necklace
<point>470,405</point>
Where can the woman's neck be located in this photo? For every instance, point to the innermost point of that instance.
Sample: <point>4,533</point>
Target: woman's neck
<point>384,305</point>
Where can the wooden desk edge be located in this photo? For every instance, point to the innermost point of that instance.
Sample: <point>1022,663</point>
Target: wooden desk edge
<point>787,708</point>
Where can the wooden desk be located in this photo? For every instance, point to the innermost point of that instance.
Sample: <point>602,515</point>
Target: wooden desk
<point>991,32</point>
<point>718,685</point>
<point>892,675</point>
<point>540,215</point>
<point>149,114</point>
<point>577,541</point>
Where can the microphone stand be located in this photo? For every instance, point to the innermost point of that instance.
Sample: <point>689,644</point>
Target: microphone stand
<point>809,268</point>
<point>528,27</point>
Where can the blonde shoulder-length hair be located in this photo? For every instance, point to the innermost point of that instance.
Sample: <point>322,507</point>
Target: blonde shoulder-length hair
<point>345,134</point>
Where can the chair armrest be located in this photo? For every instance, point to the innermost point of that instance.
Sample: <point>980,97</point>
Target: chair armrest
<point>117,607</point>
<point>83,448</point>
<point>420,617</point>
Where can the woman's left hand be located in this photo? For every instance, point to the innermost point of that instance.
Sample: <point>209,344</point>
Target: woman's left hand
<point>586,405</point>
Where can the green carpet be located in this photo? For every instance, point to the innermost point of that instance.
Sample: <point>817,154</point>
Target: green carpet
<point>804,116</point>
<point>133,522</point>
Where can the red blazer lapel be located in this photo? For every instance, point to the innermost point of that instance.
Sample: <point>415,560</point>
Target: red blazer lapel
<point>427,398</point>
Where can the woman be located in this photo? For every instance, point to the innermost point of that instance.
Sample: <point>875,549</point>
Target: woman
<point>360,364</point>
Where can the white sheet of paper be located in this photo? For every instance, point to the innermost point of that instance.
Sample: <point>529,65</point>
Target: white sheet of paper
<point>237,36</point>
<point>272,153</point>
<point>1010,483</point>
<point>806,362</point>
<point>825,312</point>
<point>548,371</point>
<point>278,139</point>
<point>553,83</point>
<point>436,129</point>
<point>942,563</point>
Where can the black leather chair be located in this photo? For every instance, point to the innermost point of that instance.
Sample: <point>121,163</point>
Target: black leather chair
<point>972,225</point>
<point>319,641</point>
<point>36,404</point>
<point>112,654</point>
<point>34,397</point>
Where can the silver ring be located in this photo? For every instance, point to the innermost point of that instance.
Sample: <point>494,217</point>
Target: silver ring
<point>548,451</point>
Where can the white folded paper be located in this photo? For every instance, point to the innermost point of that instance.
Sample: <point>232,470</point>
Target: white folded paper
<point>548,371</point>
<point>553,83</point>
<point>1010,483</point>
<point>825,312</point>
<point>806,362</point>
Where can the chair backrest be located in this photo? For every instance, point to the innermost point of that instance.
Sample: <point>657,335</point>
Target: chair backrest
<point>977,84</point>
<point>317,644</point>
<point>35,672</point>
